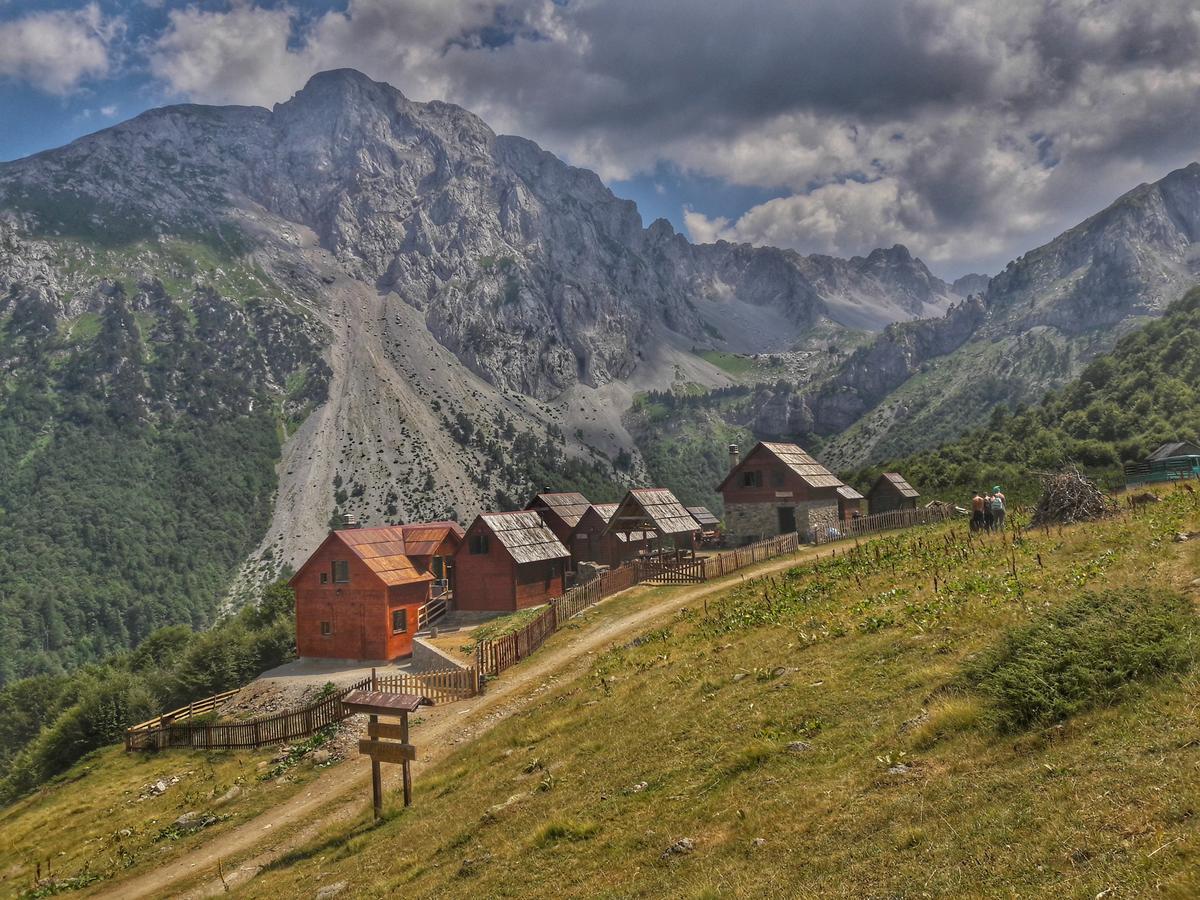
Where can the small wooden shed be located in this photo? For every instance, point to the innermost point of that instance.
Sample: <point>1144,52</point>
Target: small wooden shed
<point>508,561</point>
<point>891,491</point>
<point>357,596</point>
<point>593,542</point>
<point>710,525</point>
<point>850,502</point>
<point>560,510</point>
<point>654,511</point>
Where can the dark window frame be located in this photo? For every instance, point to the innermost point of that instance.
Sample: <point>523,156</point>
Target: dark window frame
<point>479,545</point>
<point>343,566</point>
<point>326,629</point>
<point>752,478</point>
<point>403,614</point>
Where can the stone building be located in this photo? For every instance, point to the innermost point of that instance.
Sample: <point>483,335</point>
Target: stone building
<point>777,489</point>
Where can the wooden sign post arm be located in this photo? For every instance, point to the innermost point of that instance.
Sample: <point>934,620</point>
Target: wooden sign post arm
<point>376,780</point>
<point>406,765</point>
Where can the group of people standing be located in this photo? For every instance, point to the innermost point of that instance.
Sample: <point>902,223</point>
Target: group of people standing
<point>987,510</point>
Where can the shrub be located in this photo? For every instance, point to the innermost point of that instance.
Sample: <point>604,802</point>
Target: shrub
<point>1086,653</point>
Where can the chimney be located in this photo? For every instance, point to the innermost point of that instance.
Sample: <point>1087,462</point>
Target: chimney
<point>734,457</point>
<point>349,520</point>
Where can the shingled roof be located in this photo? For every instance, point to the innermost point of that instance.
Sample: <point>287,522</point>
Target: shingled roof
<point>382,550</point>
<point>605,512</point>
<point>566,505</point>
<point>848,493</point>
<point>902,486</point>
<point>525,536</point>
<point>655,509</point>
<point>799,461</point>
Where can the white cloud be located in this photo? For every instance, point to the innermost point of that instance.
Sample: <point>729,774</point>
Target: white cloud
<point>966,129</point>
<point>56,51</point>
<point>109,112</point>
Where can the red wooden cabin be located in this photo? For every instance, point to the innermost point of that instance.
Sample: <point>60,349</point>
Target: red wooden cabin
<point>357,596</point>
<point>508,561</point>
<point>593,542</point>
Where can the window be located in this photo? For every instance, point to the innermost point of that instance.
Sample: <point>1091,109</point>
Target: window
<point>341,571</point>
<point>324,578</point>
<point>479,543</point>
<point>777,478</point>
<point>752,479</point>
<point>326,629</point>
<point>399,621</point>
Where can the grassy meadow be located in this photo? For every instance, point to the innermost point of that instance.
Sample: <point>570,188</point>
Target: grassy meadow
<point>843,730</point>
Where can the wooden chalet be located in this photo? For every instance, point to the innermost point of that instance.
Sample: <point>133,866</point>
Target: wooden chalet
<point>508,561</point>
<point>850,503</point>
<point>593,542</point>
<point>561,511</point>
<point>358,596</point>
<point>890,492</point>
<point>710,526</point>
<point>777,489</point>
<point>655,512</point>
<point>1174,450</point>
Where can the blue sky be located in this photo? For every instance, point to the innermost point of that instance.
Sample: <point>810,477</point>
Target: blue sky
<point>968,130</point>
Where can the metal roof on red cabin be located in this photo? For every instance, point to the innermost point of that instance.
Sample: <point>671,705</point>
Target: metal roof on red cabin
<point>383,551</point>
<point>424,538</point>
<point>567,505</point>
<point>525,536</point>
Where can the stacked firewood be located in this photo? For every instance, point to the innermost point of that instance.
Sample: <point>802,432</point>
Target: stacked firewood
<point>1069,497</point>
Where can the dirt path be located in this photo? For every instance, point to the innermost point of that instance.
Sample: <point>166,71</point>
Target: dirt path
<point>342,794</point>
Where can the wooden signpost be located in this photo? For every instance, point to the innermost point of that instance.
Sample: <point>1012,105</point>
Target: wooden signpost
<point>386,742</point>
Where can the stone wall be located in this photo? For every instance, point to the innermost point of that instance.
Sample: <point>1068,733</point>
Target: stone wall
<point>428,658</point>
<point>748,522</point>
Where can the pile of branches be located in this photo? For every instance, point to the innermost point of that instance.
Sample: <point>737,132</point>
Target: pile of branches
<point>1068,497</point>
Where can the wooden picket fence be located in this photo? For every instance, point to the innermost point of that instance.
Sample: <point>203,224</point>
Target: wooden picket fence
<point>885,521</point>
<point>174,730</point>
<point>494,656</point>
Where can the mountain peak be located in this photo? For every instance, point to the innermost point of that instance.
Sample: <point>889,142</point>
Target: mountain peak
<point>342,83</point>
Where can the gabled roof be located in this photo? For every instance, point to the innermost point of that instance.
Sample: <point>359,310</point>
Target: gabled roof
<point>605,513</point>
<point>525,536</point>
<point>848,493</point>
<point>566,505</point>
<point>655,509</point>
<point>605,510</point>
<point>795,458</point>
<point>424,538</point>
<point>382,551</point>
<point>799,461</point>
<point>702,516</point>
<point>1174,448</point>
<point>897,481</point>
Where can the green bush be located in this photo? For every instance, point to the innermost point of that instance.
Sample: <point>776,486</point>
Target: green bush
<point>1086,653</point>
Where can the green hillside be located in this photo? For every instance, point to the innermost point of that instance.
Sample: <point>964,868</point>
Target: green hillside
<point>841,730</point>
<point>139,433</point>
<point>1123,405</point>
